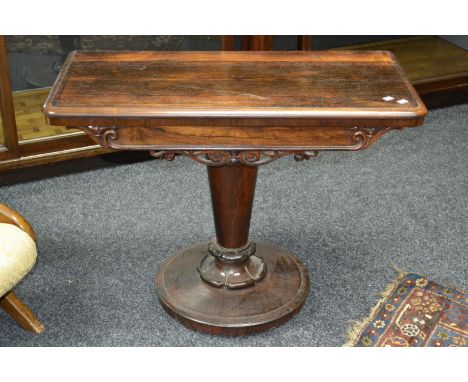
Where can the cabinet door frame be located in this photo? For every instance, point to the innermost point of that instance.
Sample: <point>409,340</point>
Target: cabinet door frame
<point>10,146</point>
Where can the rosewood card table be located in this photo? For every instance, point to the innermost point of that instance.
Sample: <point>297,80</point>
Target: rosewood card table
<point>233,111</point>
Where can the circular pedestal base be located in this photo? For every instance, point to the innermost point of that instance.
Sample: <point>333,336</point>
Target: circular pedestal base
<point>268,303</point>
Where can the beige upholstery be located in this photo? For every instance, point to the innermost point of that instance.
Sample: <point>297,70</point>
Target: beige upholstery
<point>17,256</point>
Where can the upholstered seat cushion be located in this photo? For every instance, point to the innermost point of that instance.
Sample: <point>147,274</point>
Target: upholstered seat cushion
<point>17,256</point>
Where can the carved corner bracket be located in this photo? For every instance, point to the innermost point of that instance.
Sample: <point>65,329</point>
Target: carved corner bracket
<point>104,135</point>
<point>365,136</point>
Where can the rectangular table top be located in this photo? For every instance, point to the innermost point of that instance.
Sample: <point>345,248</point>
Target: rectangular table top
<point>134,87</point>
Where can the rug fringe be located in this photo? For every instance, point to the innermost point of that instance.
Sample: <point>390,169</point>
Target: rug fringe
<point>357,326</point>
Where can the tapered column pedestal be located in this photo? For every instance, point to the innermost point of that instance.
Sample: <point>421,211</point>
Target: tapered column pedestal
<point>232,286</point>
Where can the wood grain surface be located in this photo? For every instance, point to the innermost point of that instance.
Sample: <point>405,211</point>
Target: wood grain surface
<point>199,306</point>
<point>137,86</point>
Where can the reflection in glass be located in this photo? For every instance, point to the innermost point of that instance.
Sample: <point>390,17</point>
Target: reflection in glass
<point>30,122</point>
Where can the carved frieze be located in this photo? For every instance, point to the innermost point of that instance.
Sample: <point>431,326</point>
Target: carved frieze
<point>361,137</point>
<point>228,157</point>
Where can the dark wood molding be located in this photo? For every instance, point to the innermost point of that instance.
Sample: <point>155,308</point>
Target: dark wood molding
<point>257,43</point>
<point>305,142</point>
<point>7,107</point>
<point>443,92</point>
<point>227,42</point>
<point>72,164</point>
<point>304,43</point>
<point>51,157</point>
<point>438,99</point>
<point>56,143</point>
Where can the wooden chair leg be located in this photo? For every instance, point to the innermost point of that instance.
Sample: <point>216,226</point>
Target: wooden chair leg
<point>16,308</point>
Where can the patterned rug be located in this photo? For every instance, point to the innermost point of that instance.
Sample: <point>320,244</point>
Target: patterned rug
<point>415,311</point>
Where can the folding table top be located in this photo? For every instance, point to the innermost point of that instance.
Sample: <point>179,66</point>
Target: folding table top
<point>131,88</point>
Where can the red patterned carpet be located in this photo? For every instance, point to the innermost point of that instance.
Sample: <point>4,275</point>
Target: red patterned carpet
<point>415,311</point>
